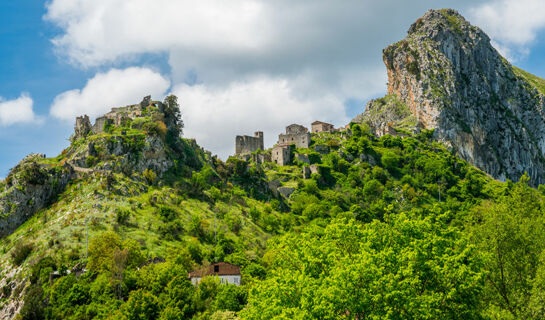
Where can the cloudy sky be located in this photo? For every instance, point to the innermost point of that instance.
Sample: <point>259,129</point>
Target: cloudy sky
<point>237,66</point>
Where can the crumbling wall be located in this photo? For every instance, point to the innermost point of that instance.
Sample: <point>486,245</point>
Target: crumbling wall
<point>248,144</point>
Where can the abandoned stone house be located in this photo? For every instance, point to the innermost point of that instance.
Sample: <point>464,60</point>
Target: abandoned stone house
<point>319,126</point>
<point>228,273</point>
<point>249,144</point>
<point>295,134</point>
<point>280,154</point>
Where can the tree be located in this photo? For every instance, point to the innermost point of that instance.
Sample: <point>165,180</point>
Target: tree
<point>406,268</point>
<point>140,306</point>
<point>173,115</point>
<point>510,233</point>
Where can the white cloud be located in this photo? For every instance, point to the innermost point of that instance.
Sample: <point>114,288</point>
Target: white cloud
<point>512,24</point>
<point>15,111</point>
<point>141,26</point>
<point>216,115</point>
<point>111,89</point>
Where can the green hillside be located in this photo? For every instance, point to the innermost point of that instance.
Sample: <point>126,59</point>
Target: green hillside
<point>390,228</point>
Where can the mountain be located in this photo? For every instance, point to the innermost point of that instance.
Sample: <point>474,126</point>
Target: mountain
<point>452,80</point>
<point>380,219</point>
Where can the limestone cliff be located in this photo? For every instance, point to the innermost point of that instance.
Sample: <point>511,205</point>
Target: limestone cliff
<point>452,80</point>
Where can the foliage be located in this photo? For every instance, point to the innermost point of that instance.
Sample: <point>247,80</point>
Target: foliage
<point>389,227</point>
<point>20,252</point>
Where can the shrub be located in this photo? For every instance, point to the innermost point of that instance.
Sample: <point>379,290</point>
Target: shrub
<point>34,306</point>
<point>21,252</point>
<point>150,176</point>
<point>90,161</point>
<point>167,214</point>
<point>122,216</point>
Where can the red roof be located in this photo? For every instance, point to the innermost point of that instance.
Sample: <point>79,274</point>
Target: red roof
<point>217,269</point>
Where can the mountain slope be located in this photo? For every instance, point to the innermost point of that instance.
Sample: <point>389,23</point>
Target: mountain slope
<point>452,80</point>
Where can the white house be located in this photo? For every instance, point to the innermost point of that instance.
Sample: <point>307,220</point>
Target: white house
<point>228,273</point>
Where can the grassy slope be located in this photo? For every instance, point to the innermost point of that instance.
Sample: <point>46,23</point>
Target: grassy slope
<point>537,82</point>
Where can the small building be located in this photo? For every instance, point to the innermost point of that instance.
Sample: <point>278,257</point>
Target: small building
<point>249,144</point>
<point>228,273</point>
<point>281,155</point>
<point>319,126</point>
<point>295,134</point>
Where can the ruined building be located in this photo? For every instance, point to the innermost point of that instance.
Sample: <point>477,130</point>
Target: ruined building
<point>295,134</point>
<point>82,127</point>
<point>281,155</point>
<point>319,126</point>
<point>119,116</point>
<point>249,144</point>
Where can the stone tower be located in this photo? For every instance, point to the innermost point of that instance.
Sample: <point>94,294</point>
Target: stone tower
<point>82,127</point>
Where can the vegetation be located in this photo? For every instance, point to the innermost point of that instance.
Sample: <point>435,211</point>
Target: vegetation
<point>535,81</point>
<point>389,228</point>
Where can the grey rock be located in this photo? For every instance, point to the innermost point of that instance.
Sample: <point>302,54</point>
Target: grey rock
<point>452,80</point>
<point>286,191</point>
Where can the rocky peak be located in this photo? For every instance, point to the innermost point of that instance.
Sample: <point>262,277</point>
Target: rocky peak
<point>452,80</point>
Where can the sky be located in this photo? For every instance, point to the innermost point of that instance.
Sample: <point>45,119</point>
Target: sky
<point>237,66</point>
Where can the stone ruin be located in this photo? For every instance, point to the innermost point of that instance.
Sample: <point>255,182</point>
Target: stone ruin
<point>295,134</point>
<point>319,126</point>
<point>249,144</point>
<point>117,116</point>
<point>82,127</point>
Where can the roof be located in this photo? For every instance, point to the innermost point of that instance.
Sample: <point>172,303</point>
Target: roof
<point>224,269</point>
<point>321,122</point>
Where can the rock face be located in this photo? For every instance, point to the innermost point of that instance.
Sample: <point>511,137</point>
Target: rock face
<point>29,188</point>
<point>452,80</point>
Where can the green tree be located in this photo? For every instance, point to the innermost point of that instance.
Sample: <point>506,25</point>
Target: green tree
<point>510,233</point>
<point>406,268</point>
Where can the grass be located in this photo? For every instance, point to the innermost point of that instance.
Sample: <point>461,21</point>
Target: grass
<point>535,81</point>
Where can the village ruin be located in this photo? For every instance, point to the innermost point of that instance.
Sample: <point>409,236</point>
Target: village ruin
<point>117,116</point>
<point>296,134</point>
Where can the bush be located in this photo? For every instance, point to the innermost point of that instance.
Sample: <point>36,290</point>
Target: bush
<point>150,176</point>
<point>167,214</point>
<point>21,252</point>
<point>33,308</point>
<point>122,216</point>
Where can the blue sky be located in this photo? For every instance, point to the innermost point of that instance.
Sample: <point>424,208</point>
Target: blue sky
<point>237,68</point>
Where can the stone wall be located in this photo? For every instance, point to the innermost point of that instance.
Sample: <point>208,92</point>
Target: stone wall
<point>301,140</point>
<point>82,127</point>
<point>319,126</point>
<point>100,122</point>
<point>295,134</point>
<point>248,144</point>
<point>281,155</point>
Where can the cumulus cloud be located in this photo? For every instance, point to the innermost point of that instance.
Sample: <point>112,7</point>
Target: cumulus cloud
<point>111,89</point>
<point>223,41</point>
<point>215,115</point>
<point>512,24</point>
<point>15,111</point>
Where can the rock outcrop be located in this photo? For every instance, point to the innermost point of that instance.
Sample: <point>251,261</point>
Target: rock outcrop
<point>452,80</point>
<point>30,186</point>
